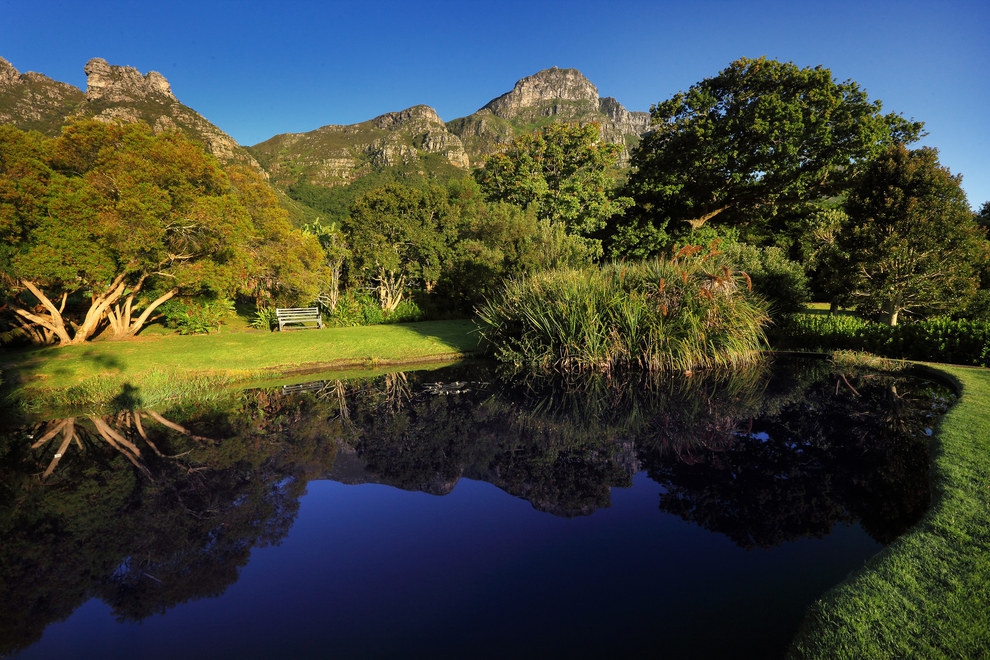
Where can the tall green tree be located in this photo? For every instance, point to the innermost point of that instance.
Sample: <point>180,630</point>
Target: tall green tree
<point>400,238</point>
<point>106,222</point>
<point>564,173</point>
<point>756,138</point>
<point>913,244</point>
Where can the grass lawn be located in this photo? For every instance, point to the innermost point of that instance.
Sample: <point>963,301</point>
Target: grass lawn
<point>927,595</point>
<point>170,366</point>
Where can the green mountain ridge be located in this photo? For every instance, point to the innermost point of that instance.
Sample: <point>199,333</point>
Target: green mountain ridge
<point>336,155</point>
<point>33,101</point>
<point>412,140</point>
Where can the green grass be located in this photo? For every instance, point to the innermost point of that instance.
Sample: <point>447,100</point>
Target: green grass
<point>927,595</point>
<point>174,366</point>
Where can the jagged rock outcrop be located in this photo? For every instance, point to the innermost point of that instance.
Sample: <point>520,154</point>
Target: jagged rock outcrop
<point>122,84</point>
<point>334,155</point>
<point>122,93</point>
<point>568,86</point>
<point>415,138</point>
<point>551,95</point>
<point>32,101</point>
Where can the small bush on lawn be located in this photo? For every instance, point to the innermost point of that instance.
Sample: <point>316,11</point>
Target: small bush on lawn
<point>196,316</point>
<point>354,309</point>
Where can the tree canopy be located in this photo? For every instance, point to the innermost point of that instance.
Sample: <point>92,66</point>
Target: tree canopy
<point>565,173</point>
<point>759,136</point>
<point>400,236</point>
<point>912,243</point>
<point>109,219</point>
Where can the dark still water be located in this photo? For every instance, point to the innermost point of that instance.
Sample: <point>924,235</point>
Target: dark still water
<point>459,513</point>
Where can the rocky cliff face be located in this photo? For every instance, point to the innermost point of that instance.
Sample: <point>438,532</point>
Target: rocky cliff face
<point>566,86</point>
<point>334,155</point>
<point>32,101</point>
<point>123,84</point>
<point>551,95</point>
<point>415,138</point>
<point>120,93</point>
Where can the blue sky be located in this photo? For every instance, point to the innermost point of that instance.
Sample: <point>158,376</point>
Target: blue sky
<point>258,68</point>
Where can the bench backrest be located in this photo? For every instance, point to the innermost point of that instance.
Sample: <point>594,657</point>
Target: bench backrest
<point>298,315</point>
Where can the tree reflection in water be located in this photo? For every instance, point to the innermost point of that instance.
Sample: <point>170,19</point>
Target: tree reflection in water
<point>146,510</point>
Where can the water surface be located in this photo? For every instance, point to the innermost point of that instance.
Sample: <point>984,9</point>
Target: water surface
<point>459,513</point>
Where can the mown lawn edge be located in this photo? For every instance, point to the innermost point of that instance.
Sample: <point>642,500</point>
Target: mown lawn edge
<point>926,595</point>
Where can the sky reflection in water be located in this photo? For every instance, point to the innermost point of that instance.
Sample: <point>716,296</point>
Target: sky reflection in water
<point>626,564</point>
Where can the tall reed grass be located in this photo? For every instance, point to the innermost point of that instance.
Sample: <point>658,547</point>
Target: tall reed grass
<point>690,311</point>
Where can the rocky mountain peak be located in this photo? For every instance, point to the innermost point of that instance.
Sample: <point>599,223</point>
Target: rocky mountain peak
<point>121,83</point>
<point>34,101</point>
<point>548,85</point>
<point>8,74</point>
<point>415,114</point>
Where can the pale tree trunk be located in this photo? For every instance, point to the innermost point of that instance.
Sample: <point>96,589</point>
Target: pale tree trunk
<point>53,322</point>
<point>330,295</point>
<point>892,311</point>
<point>390,289</point>
<point>120,315</point>
<point>699,222</point>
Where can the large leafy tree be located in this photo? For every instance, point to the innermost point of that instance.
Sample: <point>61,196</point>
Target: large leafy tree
<point>564,173</point>
<point>913,243</point>
<point>757,138</point>
<point>400,238</point>
<point>106,222</point>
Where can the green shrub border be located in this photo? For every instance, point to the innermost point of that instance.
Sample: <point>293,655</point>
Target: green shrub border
<point>949,341</point>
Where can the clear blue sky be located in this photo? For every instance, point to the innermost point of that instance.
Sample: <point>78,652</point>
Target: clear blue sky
<point>257,68</point>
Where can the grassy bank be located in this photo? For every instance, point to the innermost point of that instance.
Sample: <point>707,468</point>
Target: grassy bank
<point>927,595</point>
<point>155,369</point>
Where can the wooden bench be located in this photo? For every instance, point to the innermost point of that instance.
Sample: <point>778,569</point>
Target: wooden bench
<point>298,315</point>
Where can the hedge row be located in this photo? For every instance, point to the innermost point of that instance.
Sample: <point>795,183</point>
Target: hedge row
<point>937,340</point>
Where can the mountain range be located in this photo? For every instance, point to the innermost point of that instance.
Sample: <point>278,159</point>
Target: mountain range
<point>334,154</point>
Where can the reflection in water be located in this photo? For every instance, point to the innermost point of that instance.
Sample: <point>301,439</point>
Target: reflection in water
<point>146,510</point>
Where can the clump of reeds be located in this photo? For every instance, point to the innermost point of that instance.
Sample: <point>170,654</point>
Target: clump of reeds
<point>686,312</point>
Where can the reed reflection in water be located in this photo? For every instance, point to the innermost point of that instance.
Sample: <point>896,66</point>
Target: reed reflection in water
<point>147,510</point>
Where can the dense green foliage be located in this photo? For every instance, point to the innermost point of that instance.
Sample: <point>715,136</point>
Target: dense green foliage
<point>691,311</point>
<point>912,243</point>
<point>334,203</point>
<point>200,316</point>
<point>566,174</point>
<point>778,280</point>
<point>940,339</point>
<point>747,144</point>
<point>106,222</point>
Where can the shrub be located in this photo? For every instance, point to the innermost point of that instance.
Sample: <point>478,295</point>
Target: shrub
<point>360,308</point>
<point>954,341</point>
<point>196,316</point>
<point>265,319</point>
<point>688,312</point>
<point>780,281</point>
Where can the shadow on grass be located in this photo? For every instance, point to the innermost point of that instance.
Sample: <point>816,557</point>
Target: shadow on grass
<point>461,335</point>
<point>128,399</point>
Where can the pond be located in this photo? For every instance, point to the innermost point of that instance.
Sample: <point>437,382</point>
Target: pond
<point>460,512</point>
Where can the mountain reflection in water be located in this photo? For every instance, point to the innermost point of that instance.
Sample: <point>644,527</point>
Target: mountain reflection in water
<point>146,510</point>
